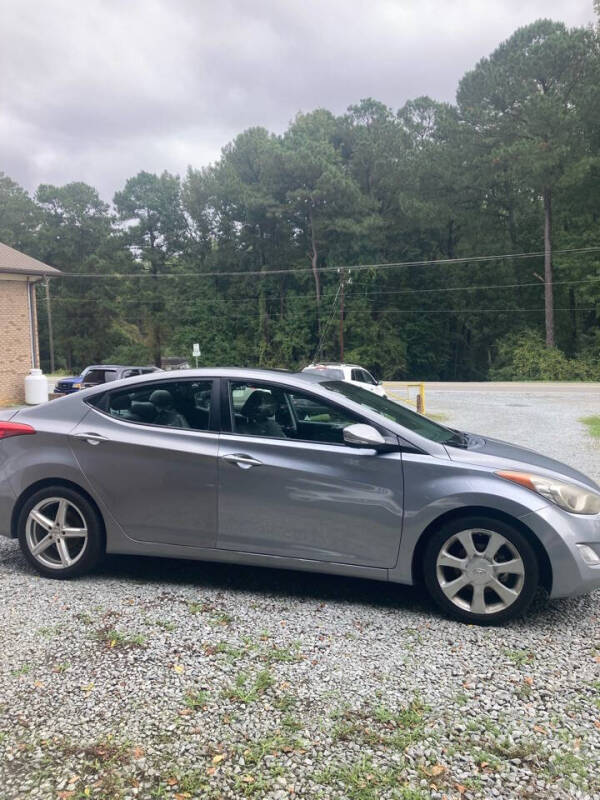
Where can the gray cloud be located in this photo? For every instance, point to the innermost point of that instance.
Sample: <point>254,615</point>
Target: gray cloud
<point>96,91</point>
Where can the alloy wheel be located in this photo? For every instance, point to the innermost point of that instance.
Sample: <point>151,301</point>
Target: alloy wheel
<point>480,571</point>
<point>56,533</point>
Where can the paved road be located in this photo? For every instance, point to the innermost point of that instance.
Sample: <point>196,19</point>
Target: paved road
<point>545,417</point>
<point>542,387</point>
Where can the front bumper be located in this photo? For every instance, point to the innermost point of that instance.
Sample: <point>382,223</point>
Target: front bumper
<point>560,533</point>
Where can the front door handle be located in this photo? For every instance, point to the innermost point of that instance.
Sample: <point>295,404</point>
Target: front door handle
<point>91,438</point>
<point>242,460</point>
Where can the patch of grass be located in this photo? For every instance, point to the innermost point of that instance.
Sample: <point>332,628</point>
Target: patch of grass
<point>100,765</point>
<point>285,701</point>
<point>49,631</point>
<point>395,728</point>
<point>196,700</point>
<point>593,425</point>
<point>272,745</point>
<point>232,652</point>
<point>115,639</point>
<point>365,781</point>
<point>195,783</point>
<point>165,624</point>
<point>246,690</point>
<point>83,616</point>
<point>520,657</point>
<point>199,608</point>
<point>24,669</point>
<point>503,749</point>
<point>221,618</point>
<point>571,769</point>
<point>282,654</point>
<point>523,691</point>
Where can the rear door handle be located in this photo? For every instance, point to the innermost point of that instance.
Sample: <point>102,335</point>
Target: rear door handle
<point>91,438</point>
<point>242,460</point>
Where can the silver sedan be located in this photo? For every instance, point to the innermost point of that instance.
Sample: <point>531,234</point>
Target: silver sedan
<point>296,471</point>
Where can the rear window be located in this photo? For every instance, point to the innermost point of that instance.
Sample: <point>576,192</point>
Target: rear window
<point>99,376</point>
<point>327,372</point>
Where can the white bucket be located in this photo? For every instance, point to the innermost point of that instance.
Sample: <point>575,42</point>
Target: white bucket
<point>36,388</point>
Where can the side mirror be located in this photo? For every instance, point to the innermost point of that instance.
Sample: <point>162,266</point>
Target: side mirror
<point>361,435</point>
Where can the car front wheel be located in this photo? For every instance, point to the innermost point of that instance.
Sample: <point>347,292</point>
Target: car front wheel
<point>480,570</point>
<point>60,532</point>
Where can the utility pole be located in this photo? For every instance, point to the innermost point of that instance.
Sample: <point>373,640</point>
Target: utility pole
<point>344,279</point>
<point>50,334</point>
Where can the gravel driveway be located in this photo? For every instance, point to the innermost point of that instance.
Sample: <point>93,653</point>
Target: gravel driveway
<point>160,679</point>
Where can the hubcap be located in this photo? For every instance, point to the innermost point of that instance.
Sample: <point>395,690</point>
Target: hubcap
<point>480,571</point>
<point>56,533</point>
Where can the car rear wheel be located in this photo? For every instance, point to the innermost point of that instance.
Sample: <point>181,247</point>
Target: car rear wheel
<point>60,532</point>
<point>481,570</point>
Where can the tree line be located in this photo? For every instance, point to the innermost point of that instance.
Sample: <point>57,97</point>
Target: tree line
<point>245,256</point>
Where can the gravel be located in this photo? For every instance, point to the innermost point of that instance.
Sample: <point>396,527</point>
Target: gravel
<point>158,679</point>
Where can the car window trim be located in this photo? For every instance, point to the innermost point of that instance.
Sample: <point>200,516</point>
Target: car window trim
<point>227,415</point>
<point>213,415</point>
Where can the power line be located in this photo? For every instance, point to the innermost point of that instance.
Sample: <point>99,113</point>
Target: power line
<point>254,298</point>
<point>377,312</point>
<point>304,270</point>
<point>327,324</point>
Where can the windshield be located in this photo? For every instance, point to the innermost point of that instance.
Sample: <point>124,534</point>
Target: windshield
<point>397,413</point>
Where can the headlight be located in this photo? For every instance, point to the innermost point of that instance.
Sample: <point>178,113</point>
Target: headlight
<point>572,498</point>
<point>76,386</point>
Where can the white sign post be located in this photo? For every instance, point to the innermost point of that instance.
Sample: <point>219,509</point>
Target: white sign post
<point>196,352</point>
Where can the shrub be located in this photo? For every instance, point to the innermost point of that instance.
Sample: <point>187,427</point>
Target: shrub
<point>524,356</point>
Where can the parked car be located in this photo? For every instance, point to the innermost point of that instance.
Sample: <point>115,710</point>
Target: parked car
<point>99,373</point>
<point>351,373</point>
<point>297,471</point>
<point>68,385</point>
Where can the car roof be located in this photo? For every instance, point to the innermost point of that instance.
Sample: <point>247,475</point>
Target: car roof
<point>338,364</point>
<point>241,373</point>
<point>120,366</point>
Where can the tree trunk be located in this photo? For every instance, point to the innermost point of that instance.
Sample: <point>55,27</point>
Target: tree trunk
<point>313,262</point>
<point>548,287</point>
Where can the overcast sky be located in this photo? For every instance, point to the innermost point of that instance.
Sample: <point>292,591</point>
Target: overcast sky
<point>96,90</point>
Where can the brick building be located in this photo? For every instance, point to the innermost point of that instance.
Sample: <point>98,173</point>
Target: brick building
<point>18,326</point>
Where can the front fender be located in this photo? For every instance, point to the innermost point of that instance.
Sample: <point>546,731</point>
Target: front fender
<point>433,487</point>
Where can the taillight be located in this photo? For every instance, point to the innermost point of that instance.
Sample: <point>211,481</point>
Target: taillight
<point>14,429</point>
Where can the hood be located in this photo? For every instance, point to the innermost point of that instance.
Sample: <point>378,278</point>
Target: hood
<point>72,379</point>
<point>496,454</point>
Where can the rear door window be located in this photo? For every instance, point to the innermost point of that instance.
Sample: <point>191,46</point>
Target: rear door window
<point>172,404</point>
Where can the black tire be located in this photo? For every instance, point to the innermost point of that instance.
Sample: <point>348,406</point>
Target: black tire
<point>526,586</point>
<point>91,552</point>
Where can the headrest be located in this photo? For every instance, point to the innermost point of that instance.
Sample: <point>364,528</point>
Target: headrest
<point>260,404</point>
<point>161,398</point>
<point>120,402</point>
<point>145,411</point>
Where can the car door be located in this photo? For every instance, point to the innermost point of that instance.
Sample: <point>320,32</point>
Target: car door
<point>289,486</point>
<point>150,452</point>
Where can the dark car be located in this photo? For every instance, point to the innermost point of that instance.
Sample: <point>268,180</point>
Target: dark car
<point>100,373</point>
<point>68,385</point>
